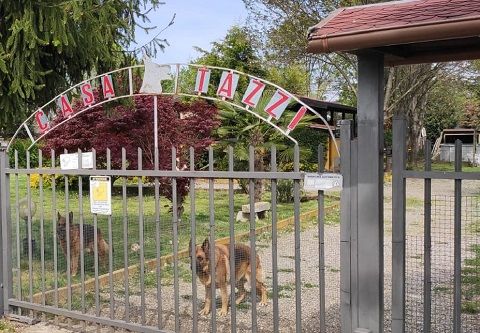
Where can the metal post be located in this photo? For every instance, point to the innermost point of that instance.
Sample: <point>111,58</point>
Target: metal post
<point>345,230</point>
<point>370,185</point>
<point>457,284</point>
<point>399,157</point>
<point>5,233</point>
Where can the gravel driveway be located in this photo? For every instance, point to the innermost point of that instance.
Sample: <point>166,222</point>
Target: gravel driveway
<point>309,277</point>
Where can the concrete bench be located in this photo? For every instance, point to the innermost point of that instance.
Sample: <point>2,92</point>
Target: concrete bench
<point>261,210</point>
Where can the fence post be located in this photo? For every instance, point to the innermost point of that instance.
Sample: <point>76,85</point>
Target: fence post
<point>5,232</point>
<point>345,228</point>
<point>399,157</point>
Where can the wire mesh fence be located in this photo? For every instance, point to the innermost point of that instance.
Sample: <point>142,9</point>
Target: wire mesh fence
<point>442,267</point>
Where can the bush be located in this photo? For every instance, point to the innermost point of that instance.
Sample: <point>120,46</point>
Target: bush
<point>21,146</point>
<point>285,190</point>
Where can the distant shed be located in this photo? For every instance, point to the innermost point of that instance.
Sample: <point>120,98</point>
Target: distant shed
<point>445,146</point>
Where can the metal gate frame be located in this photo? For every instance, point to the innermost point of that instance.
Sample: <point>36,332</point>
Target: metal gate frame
<point>8,303</point>
<point>399,176</point>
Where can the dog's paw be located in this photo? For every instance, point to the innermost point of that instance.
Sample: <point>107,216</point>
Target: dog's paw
<point>223,312</point>
<point>205,311</point>
<point>263,303</point>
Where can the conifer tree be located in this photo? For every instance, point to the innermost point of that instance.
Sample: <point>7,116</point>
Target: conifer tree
<point>46,45</point>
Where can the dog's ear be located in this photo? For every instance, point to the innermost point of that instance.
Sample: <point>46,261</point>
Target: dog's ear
<point>59,216</point>
<point>70,216</point>
<point>206,246</point>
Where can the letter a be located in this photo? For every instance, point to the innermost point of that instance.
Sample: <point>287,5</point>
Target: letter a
<point>228,85</point>
<point>65,106</point>
<point>107,87</point>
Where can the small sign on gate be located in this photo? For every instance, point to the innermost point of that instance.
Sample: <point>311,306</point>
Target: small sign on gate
<point>322,181</point>
<point>70,161</point>
<point>100,195</point>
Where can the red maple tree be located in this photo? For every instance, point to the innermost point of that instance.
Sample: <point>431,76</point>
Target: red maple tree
<point>181,124</point>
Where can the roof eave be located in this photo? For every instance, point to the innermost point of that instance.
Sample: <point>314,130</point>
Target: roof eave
<point>350,42</point>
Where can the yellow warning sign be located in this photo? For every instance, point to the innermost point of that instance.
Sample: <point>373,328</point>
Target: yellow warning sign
<point>100,195</point>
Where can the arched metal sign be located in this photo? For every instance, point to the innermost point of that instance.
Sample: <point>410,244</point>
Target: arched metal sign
<point>189,80</point>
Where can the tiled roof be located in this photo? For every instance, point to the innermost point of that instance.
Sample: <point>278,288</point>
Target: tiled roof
<point>406,32</point>
<point>399,14</point>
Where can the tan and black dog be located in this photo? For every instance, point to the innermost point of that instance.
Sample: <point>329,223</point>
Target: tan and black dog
<point>88,241</point>
<point>243,271</point>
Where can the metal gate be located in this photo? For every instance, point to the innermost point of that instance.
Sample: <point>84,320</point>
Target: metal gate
<point>436,270</point>
<point>136,273</point>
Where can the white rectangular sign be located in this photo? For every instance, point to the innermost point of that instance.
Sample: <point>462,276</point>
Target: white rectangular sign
<point>322,181</point>
<point>70,161</point>
<point>100,195</point>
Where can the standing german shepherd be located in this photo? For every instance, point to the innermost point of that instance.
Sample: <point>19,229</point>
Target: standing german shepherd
<point>243,271</point>
<point>88,241</point>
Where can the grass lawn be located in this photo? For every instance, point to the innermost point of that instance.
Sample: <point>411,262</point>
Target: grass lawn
<point>446,166</point>
<point>202,219</point>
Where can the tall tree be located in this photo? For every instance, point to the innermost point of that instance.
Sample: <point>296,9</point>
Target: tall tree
<point>238,50</point>
<point>284,24</point>
<point>46,45</point>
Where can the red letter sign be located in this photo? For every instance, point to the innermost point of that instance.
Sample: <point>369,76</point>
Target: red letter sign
<point>42,121</point>
<point>228,85</point>
<point>87,94</point>
<point>203,78</point>
<point>107,86</point>
<point>297,118</point>
<point>65,106</point>
<point>277,104</point>
<point>253,92</point>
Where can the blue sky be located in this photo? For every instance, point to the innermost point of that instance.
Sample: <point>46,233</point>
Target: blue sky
<point>197,23</point>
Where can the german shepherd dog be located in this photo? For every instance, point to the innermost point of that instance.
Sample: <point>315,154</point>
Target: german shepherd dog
<point>243,271</point>
<point>88,241</point>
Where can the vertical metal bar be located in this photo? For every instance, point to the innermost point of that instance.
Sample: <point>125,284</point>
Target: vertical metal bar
<point>252,236</point>
<point>17,218</point>
<point>212,240</point>
<point>177,74</point>
<point>54,228</point>
<point>176,294</point>
<point>231,214</point>
<point>345,227</point>
<point>130,81</point>
<point>321,244</point>
<point>427,243</point>
<point>273,167</point>
<point>42,230</point>
<point>125,238</point>
<point>298,258</point>
<point>95,248</point>
<point>82,240</point>
<point>158,241</point>
<point>399,157</point>
<point>110,249</point>
<point>193,234</point>
<point>69,250</point>
<point>6,233</point>
<point>141,239</point>
<point>457,250</point>
<point>155,123</point>
<point>29,231</point>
